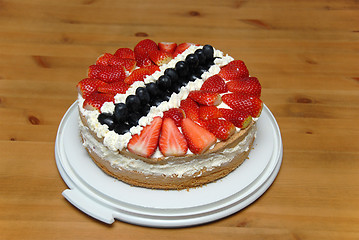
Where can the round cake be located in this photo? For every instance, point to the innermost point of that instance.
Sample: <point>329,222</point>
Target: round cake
<point>167,115</point>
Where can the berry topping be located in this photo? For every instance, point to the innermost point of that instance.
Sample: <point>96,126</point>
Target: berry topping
<point>176,114</point>
<point>160,58</point>
<point>120,112</point>
<point>171,73</point>
<point>127,63</point>
<point>108,119</point>
<point>104,59</point>
<point>125,53</point>
<point>172,142</point>
<point>114,88</point>
<point>153,89</point>
<point>221,128</point>
<point>133,118</point>
<point>182,68</point>
<point>143,95</point>
<point>205,97</point>
<point>190,108</point>
<point>244,103</point>
<point>164,82</point>
<point>192,60</point>
<point>209,112</point>
<point>142,52</point>
<point>201,57</point>
<point>208,51</point>
<point>122,128</point>
<point>234,70</point>
<point>249,86</point>
<point>214,84</point>
<point>96,99</point>
<point>181,48</point>
<point>107,73</point>
<point>140,74</point>
<point>198,138</point>
<point>239,119</point>
<point>168,47</point>
<point>146,142</point>
<point>133,103</point>
<point>87,86</point>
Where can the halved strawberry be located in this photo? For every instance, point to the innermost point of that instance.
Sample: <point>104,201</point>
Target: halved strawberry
<point>160,58</point>
<point>209,112</point>
<point>87,86</point>
<point>96,100</point>
<point>234,70</point>
<point>249,86</point>
<point>215,84</point>
<point>127,63</point>
<point>176,114</point>
<point>221,128</point>
<point>181,48</point>
<point>239,119</point>
<point>205,97</point>
<point>140,74</point>
<point>172,142</point>
<point>142,51</point>
<point>107,73</point>
<point>145,143</point>
<point>190,108</point>
<point>125,53</point>
<point>103,59</point>
<point>168,47</point>
<point>114,88</point>
<point>198,138</point>
<point>244,103</point>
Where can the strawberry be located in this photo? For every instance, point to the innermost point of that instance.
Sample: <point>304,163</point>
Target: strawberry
<point>107,73</point>
<point>209,112</point>
<point>176,114</point>
<point>114,88</point>
<point>87,86</point>
<point>181,48</point>
<point>160,58</point>
<point>127,63</point>
<point>234,70</point>
<point>96,99</point>
<point>221,128</point>
<point>142,51</point>
<point>215,84</point>
<point>198,138</point>
<point>168,47</point>
<point>190,108</point>
<point>140,74</point>
<point>125,53</point>
<point>244,103</point>
<point>239,119</point>
<point>205,97</point>
<point>103,59</point>
<point>249,86</point>
<point>145,143</point>
<point>172,142</point>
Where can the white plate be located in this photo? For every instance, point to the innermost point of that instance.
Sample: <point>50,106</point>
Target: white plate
<point>106,199</point>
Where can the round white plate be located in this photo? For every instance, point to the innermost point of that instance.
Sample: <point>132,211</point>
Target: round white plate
<point>106,199</point>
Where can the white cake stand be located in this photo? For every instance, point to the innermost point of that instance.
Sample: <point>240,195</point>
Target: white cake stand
<point>106,199</point>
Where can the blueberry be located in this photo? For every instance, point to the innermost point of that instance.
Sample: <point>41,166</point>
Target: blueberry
<point>153,89</point>
<point>133,103</point>
<point>170,72</point>
<point>120,112</point>
<point>145,109</point>
<point>164,82</point>
<point>166,95</point>
<point>192,60</point>
<point>200,70</point>
<point>208,51</point>
<point>201,57</point>
<point>122,128</point>
<point>176,87</point>
<point>108,119</point>
<point>143,95</point>
<point>133,118</point>
<point>192,77</point>
<point>156,101</point>
<point>182,68</point>
<point>184,81</point>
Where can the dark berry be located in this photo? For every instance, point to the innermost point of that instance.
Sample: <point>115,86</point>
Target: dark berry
<point>184,81</point>
<point>200,70</point>
<point>133,118</point>
<point>145,109</point>
<point>108,119</point>
<point>208,51</point>
<point>176,87</point>
<point>182,68</point>
<point>122,128</point>
<point>192,60</point>
<point>143,95</point>
<point>156,101</point>
<point>164,82</point>
<point>170,72</point>
<point>120,112</point>
<point>153,89</point>
<point>192,77</point>
<point>201,57</point>
<point>166,95</point>
<point>133,103</point>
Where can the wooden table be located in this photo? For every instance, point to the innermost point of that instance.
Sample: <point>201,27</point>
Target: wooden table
<point>305,53</point>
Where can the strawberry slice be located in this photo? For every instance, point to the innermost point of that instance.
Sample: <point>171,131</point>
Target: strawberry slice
<point>114,88</point>
<point>172,142</point>
<point>87,86</point>
<point>176,114</point>
<point>128,63</point>
<point>209,112</point>
<point>103,59</point>
<point>214,84</point>
<point>249,86</point>
<point>190,108</point>
<point>221,128</point>
<point>244,103</point>
<point>168,47</point>
<point>125,53</point>
<point>107,73</point>
<point>239,119</point>
<point>234,70</point>
<point>96,100</point>
<point>198,138</point>
<point>160,58</point>
<point>145,143</point>
<point>140,74</point>
<point>181,48</point>
<point>142,51</point>
<point>205,97</point>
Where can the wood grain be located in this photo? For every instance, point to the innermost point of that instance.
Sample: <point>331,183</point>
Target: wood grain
<point>305,53</point>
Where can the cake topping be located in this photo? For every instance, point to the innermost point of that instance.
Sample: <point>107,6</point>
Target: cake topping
<point>172,142</point>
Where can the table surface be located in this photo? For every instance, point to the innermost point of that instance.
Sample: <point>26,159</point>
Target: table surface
<point>305,53</point>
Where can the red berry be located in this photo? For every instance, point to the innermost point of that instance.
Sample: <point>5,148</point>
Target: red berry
<point>114,88</point>
<point>125,53</point>
<point>239,119</point>
<point>142,51</point>
<point>168,47</point>
<point>244,103</point>
<point>96,100</point>
<point>172,142</point>
<point>190,108</point>
<point>160,58</point>
<point>209,112</point>
<point>205,97</point>
<point>107,73</point>
<point>181,48</point>
<point>87,86</point>
<point>103,59</point>
<point>215,84</point>
<point>249,86</point>
<point>176,114</point>
<point>221,128</point>
<point>140,74</point>
<point>127,63</point>
<point>234,70</point>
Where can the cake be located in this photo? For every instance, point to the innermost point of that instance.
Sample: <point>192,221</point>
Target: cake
<point>168,116</point>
